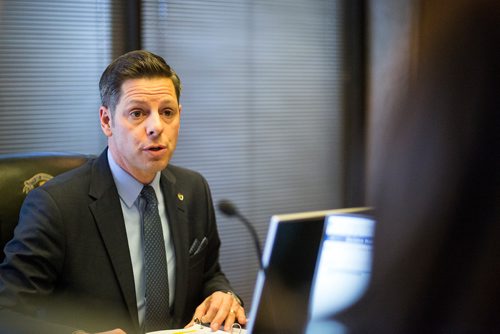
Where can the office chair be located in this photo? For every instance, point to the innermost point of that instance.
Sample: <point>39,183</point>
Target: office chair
<point>19,174</point>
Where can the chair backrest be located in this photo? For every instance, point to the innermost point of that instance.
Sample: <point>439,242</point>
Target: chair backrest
<point>20,173</point>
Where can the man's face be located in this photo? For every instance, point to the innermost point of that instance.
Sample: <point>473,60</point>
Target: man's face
<point>142,134</point>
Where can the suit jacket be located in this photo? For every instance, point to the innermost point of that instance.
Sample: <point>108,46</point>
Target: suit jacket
<point>69,261</point>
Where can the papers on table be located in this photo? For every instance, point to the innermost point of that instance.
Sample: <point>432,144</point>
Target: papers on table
<point>197,329</point>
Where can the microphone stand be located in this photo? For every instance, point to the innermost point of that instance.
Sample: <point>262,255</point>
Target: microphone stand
<point>230,210</point>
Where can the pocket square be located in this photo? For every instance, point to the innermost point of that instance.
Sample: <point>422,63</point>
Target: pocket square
<point>197,246</point>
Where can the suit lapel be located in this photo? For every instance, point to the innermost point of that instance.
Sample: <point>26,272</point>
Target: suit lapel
<point>109,220</point>
<point>177,221</point>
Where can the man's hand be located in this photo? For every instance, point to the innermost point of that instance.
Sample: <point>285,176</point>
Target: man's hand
<point>220,307</point>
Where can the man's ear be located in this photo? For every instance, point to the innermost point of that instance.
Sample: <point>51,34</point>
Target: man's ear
<point>106,121</point>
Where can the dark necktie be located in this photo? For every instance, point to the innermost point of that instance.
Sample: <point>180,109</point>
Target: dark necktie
<point>155,264</point>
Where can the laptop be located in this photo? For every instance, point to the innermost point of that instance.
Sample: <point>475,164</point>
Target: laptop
<point>282,292</point>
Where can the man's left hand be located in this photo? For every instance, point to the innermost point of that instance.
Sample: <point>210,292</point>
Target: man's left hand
<point>218,308</point>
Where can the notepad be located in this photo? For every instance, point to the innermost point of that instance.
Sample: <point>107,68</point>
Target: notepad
<point>197,329</point>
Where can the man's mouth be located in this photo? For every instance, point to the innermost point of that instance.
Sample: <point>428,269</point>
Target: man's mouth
<point>154,148</point>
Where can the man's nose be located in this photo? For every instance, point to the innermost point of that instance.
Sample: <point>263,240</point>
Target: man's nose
<point>154,124</point>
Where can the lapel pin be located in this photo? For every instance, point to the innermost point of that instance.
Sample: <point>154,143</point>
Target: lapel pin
<point>180,196</point>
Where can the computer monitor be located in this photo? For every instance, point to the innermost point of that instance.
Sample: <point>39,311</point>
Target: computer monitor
<point>344,263</point>
<point>282,291</point>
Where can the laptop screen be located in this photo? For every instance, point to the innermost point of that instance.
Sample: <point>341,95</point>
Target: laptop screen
<point>281,294</point>
<point>344,263</point>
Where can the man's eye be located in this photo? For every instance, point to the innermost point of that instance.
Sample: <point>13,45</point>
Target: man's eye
<point>168,112</point>
<point>136,113</point>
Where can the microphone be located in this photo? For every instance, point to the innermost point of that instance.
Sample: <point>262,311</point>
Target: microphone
<point>230,210</point>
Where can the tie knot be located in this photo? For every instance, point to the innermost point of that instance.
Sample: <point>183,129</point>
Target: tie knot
<point>149,195</point>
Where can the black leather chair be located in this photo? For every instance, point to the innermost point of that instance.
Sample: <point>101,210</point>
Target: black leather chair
<point>20,173</point>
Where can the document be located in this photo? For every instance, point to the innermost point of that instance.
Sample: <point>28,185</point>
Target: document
<point>198,329</point>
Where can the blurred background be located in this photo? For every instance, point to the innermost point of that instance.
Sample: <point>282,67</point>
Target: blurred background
<point>274,101</point>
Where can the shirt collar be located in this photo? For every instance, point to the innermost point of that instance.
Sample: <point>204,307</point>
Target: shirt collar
<point>128,187</point>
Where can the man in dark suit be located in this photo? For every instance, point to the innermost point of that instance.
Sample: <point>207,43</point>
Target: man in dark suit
<point>77,261</point>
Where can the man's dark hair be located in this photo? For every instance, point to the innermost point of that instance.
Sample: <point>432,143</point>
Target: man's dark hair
<point>133,65</point>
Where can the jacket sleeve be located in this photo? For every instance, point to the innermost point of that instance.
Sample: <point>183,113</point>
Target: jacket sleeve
<point>33,259</point>
<point>214,278</point>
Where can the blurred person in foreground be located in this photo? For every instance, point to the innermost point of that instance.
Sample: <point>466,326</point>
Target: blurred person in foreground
<point>435,186</point>
<point>78,261</point>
